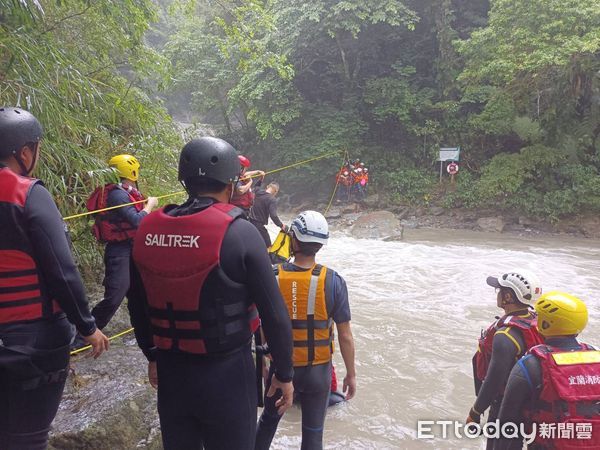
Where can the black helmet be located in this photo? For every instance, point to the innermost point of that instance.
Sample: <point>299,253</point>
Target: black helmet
<point>17,128</point>
<point>211,158</point>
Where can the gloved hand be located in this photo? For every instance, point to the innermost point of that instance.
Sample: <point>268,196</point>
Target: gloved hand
<point>473,417</point>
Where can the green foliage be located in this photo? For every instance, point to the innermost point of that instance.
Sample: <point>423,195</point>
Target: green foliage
<point>527,129</point>
<point>539,181</point>
<point>394,80</point>
<point>409,185</point>
<point>82,68</point>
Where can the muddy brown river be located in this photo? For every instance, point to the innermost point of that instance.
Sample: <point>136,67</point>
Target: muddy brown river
<point>418,307</point>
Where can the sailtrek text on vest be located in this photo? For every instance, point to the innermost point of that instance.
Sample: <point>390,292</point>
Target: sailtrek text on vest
<point>172,240</point>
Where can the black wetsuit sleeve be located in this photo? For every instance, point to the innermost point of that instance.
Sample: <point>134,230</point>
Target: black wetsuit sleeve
<point>137,304</point>
<point>60,276</point>
<point>523,386</point>
<point>129,213</point>
<point>273,212</point>
<point>244,259</point>
<point>504,354</point>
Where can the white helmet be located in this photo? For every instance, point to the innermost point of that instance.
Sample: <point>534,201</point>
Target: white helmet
<point>311,226</point>
<point>523,283</point>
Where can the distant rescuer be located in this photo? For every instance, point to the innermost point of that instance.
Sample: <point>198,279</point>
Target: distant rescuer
<point>117,229</point>
<point>556,383</point>
<point>198,278</point>
<point>265,206</point>
<point>243,195</point>
<point>316,298</point>
<point>40,292</point>
<point>505,341</point>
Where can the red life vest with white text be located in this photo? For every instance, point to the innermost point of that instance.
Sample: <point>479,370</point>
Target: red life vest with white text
<point>570,398</point>
<point>193,306</point>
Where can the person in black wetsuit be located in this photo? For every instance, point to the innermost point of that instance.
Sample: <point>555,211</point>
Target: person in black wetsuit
<point>316,298</point>
<point>40,292</point>
<point>531,397</point>
<point>504,342</point>
<point>265,206</point>
<point>199,276</point>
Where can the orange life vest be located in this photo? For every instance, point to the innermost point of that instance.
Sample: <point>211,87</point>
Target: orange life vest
<point>312,325</point>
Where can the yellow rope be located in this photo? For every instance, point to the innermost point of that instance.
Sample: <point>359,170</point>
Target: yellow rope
<point>301,162</point>
<point>75,216</point>
<point>122,333</point>
<point>87,347</point>
<point>337,182</point>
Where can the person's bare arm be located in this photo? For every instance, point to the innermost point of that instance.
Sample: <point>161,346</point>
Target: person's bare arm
<point>245,187</point>
<point>346,341</point>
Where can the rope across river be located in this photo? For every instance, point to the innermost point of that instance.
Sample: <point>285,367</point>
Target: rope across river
<point>290,166</point>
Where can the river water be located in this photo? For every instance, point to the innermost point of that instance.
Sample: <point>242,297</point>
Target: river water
<point>418,307</point>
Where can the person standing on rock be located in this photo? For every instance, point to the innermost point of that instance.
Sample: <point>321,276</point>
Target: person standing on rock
<point>200,278</point>
<point>344,181</point>
<point>117,228</point>
<point>265,206</point>
<point>316,298</point>
<point>505,341</point>
<point>40,292</point>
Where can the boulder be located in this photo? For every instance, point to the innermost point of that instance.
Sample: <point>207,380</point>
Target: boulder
<point>492,224</point>
<point>372,201</point>
<point>410,223</point>
<point>334,213</point>
<point>376,225</point>
<point>436,210</point>
<point>590,227</point>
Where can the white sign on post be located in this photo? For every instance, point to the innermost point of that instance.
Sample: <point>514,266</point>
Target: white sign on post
<point>449,154</point>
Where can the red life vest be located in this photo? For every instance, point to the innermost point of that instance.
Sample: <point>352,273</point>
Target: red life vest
<point>108,226</point>
<point>570,396</point>
<point>244,201</point>
<point>531,336</point>
<point>21,296</point>
<point>193,306</point>
<point>334,383</point>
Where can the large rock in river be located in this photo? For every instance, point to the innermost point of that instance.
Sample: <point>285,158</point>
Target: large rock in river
<point>376,225</point>
<point>495,224</point>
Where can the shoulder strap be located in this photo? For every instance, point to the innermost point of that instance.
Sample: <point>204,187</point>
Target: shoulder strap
<point>317,270</point>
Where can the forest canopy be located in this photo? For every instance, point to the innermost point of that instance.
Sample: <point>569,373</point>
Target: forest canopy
<point>515,84</point>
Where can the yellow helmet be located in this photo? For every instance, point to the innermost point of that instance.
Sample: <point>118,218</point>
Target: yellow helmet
<point>127,166</point>
<point>560,314</point>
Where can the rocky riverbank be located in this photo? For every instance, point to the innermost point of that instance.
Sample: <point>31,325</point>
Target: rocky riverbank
<point>488,220</point>
<point>108,403</point>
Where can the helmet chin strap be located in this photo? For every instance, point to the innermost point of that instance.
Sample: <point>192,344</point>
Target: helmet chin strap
<point>26,171</point>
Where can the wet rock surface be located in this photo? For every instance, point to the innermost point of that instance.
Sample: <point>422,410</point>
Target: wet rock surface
<point>376,225</point>
<point>108,403</point>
